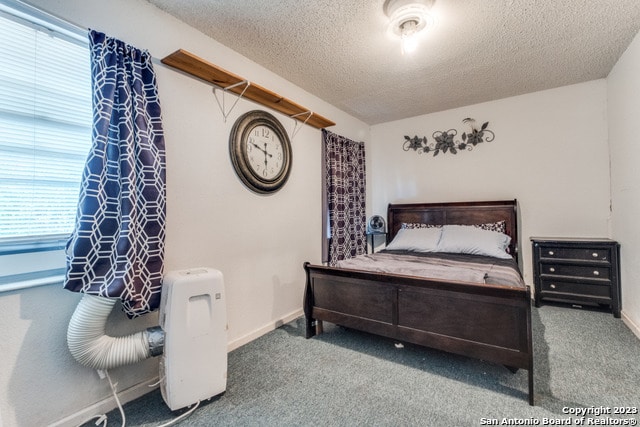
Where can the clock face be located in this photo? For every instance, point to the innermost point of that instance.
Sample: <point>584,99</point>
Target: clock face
<point>260,151</point>
<point>265,152</point>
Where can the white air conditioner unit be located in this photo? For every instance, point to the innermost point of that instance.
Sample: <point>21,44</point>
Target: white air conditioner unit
<point>193,316</point>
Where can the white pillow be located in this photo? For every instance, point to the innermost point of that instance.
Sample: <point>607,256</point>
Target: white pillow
<point>416,239</point>
<point>466,239</point>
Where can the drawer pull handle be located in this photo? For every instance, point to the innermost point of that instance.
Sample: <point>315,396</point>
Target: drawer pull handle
<point>550,252</point>
<point>552,286</point>
<point>596,273</point>
<point>552,270</point>
<point>595,254</point>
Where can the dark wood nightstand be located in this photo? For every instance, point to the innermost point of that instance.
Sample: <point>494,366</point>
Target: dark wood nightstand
<point>577,271</point>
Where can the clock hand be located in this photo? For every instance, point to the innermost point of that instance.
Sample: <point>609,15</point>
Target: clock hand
<point>258,147</point>
<point>266,154</point>
<point>265,150</point>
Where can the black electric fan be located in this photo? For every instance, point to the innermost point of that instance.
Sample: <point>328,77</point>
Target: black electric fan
<point>376,224</point>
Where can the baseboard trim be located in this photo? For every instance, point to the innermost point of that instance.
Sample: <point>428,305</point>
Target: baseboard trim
<point>108,404</point>
<point>245,339</point>
<point>627,321</point>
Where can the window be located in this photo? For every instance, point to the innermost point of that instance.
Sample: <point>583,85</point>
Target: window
<point>45,133</point>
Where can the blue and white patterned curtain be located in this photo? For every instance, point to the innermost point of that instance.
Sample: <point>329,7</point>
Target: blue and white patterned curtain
<point>345,196</point>
<point>117,247</point>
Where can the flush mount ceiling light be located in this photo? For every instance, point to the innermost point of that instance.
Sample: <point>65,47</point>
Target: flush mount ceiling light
<point>407,18</point>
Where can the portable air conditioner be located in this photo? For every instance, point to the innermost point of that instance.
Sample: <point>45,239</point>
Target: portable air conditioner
<point>193,316</point>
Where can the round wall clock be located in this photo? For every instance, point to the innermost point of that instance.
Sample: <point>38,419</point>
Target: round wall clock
<point>260,151</point>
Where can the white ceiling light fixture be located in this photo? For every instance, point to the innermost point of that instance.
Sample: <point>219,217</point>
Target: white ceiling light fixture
<point>407,18</point>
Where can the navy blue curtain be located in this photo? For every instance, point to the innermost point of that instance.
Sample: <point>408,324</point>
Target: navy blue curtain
<point>345,192</point>
<point>117,247</point>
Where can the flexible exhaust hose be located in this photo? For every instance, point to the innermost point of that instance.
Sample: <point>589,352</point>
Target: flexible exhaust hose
<point>89,344</point>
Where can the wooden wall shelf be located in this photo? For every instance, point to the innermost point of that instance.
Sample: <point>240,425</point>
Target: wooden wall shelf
<point>198,67</point>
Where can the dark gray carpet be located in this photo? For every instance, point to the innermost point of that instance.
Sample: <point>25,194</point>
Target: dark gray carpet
<point>348,378</point>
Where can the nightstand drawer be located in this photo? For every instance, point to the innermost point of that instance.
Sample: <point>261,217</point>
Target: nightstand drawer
<point>586,254</point>
<point>586,271</point>
<point>569,288</point>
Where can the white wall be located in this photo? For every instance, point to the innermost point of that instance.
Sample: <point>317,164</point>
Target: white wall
<point>550,153</point>
<point>258,242</point>
<point>623,87</point>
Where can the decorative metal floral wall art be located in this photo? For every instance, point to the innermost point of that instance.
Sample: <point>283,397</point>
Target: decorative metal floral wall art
<point>445,141</point>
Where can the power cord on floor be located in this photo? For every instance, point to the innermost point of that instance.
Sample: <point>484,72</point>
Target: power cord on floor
<point>183,416</point>
<point>115,395</point>
<point>103,418</point>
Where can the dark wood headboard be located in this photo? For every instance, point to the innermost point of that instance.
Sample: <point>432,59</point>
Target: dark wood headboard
<point>460,213</point>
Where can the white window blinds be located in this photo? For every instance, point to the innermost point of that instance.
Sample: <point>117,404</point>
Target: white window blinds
<point>45,129</point>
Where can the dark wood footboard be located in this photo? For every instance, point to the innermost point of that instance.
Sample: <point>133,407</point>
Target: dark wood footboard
<point>488,322</point>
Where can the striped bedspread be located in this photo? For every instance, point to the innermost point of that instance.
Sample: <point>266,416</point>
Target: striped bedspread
<point>466,268</point>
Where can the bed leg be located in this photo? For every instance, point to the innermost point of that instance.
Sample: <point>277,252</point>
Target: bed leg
<point>314,327</point>
<point>531,399</point>
<point>311,328</point>
<point>308,304</point>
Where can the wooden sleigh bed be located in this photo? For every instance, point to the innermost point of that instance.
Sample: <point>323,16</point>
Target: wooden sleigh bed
<point>484,321</point>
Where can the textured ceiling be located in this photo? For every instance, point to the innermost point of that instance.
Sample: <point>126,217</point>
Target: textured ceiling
<point>479,50</point>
